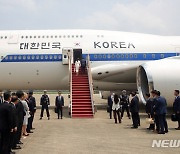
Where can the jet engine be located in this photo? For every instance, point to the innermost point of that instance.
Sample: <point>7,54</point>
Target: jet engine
<point>162,75</point>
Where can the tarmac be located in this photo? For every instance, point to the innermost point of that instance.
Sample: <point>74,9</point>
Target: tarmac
<point>99,135</point>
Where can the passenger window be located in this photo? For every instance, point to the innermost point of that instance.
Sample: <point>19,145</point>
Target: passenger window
<point>104,56</point>
<point>162,55</point>
<point>144,55</point>
<point>37,57</point>
<point>135,55</point>
<point>95,56</point>
<point>46,57</point>
<point>122,56</point>
<point>100,56</point>
<point>118,56</point>
<point>153,55</point>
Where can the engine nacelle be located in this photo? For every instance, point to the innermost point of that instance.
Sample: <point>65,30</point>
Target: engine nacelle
<point>162,75</point>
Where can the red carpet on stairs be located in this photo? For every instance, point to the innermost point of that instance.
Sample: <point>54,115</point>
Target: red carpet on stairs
<point>81,97</point>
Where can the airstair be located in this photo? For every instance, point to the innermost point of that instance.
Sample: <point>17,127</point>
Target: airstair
<point>81,90</point>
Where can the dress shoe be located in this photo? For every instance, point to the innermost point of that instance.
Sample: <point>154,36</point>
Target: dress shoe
<point>134,127</point>
<point>161,133</point>
<point>25,134</point>
<point>32,128</point>
<point>40,118</point>
<point>166,131</point>
<point>20,142</point>
<point>16,148</point>
<point>177,128</point>
<point>48,118</point>
<point>29,132</point>
<point>12,152</point>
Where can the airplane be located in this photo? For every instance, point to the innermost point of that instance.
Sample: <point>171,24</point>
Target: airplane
<point>38,59</point>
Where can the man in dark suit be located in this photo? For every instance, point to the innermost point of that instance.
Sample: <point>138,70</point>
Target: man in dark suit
<point>6,124</point>
<point>83,65</point>
<point>160,111</point>
<point>134,109</point>
<point>1,97</point>
<point>124,101</point>
<point>32,109</point>
<point>21,114</point>
<point>45,102</point>
<point>154,96</point>
<point>110,104</point>
<point>176,107</point>
<point>149,109</point>
<point>59,103</point>
<point>14,101</point>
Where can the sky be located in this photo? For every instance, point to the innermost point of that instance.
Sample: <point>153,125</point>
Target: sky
<point>161,17</point>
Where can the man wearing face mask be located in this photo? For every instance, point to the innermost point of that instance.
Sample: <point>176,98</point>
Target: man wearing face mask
<point>124,101</point>
<point>110,103</point>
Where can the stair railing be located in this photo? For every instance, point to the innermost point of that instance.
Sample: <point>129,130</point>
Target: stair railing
<point>90,82</point>
<point>70,81</point>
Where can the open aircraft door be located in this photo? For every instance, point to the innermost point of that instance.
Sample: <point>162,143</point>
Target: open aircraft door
<point>66,54</point>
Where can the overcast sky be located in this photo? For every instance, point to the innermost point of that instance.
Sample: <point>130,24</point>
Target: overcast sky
<point>146,16</point>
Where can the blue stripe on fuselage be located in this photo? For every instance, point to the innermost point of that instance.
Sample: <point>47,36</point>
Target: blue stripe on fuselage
<point>93,57</point>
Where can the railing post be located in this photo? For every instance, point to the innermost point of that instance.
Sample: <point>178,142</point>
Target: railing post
<point>70,81</point>
<point>90,82</point>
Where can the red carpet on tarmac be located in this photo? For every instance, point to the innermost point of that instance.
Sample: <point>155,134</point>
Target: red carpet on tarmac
<point>81,97</point>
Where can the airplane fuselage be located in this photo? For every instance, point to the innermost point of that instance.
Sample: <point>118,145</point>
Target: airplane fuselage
<point>34,59</point>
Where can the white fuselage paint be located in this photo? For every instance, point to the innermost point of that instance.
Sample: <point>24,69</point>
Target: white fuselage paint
<point>55,75</point>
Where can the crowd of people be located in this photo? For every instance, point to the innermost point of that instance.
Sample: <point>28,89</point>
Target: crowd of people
<point>16,119</point>
<point>17,112</point>
<point>156,108</point>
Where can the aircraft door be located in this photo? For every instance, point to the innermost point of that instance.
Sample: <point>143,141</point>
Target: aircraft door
<point>77,53</point>
<point>66,54</point>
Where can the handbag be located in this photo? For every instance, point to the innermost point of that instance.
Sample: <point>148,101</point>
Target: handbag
<point>55,109</point>
<point>174,117</point>
<point>149,120</point>
<point>108,109</point>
